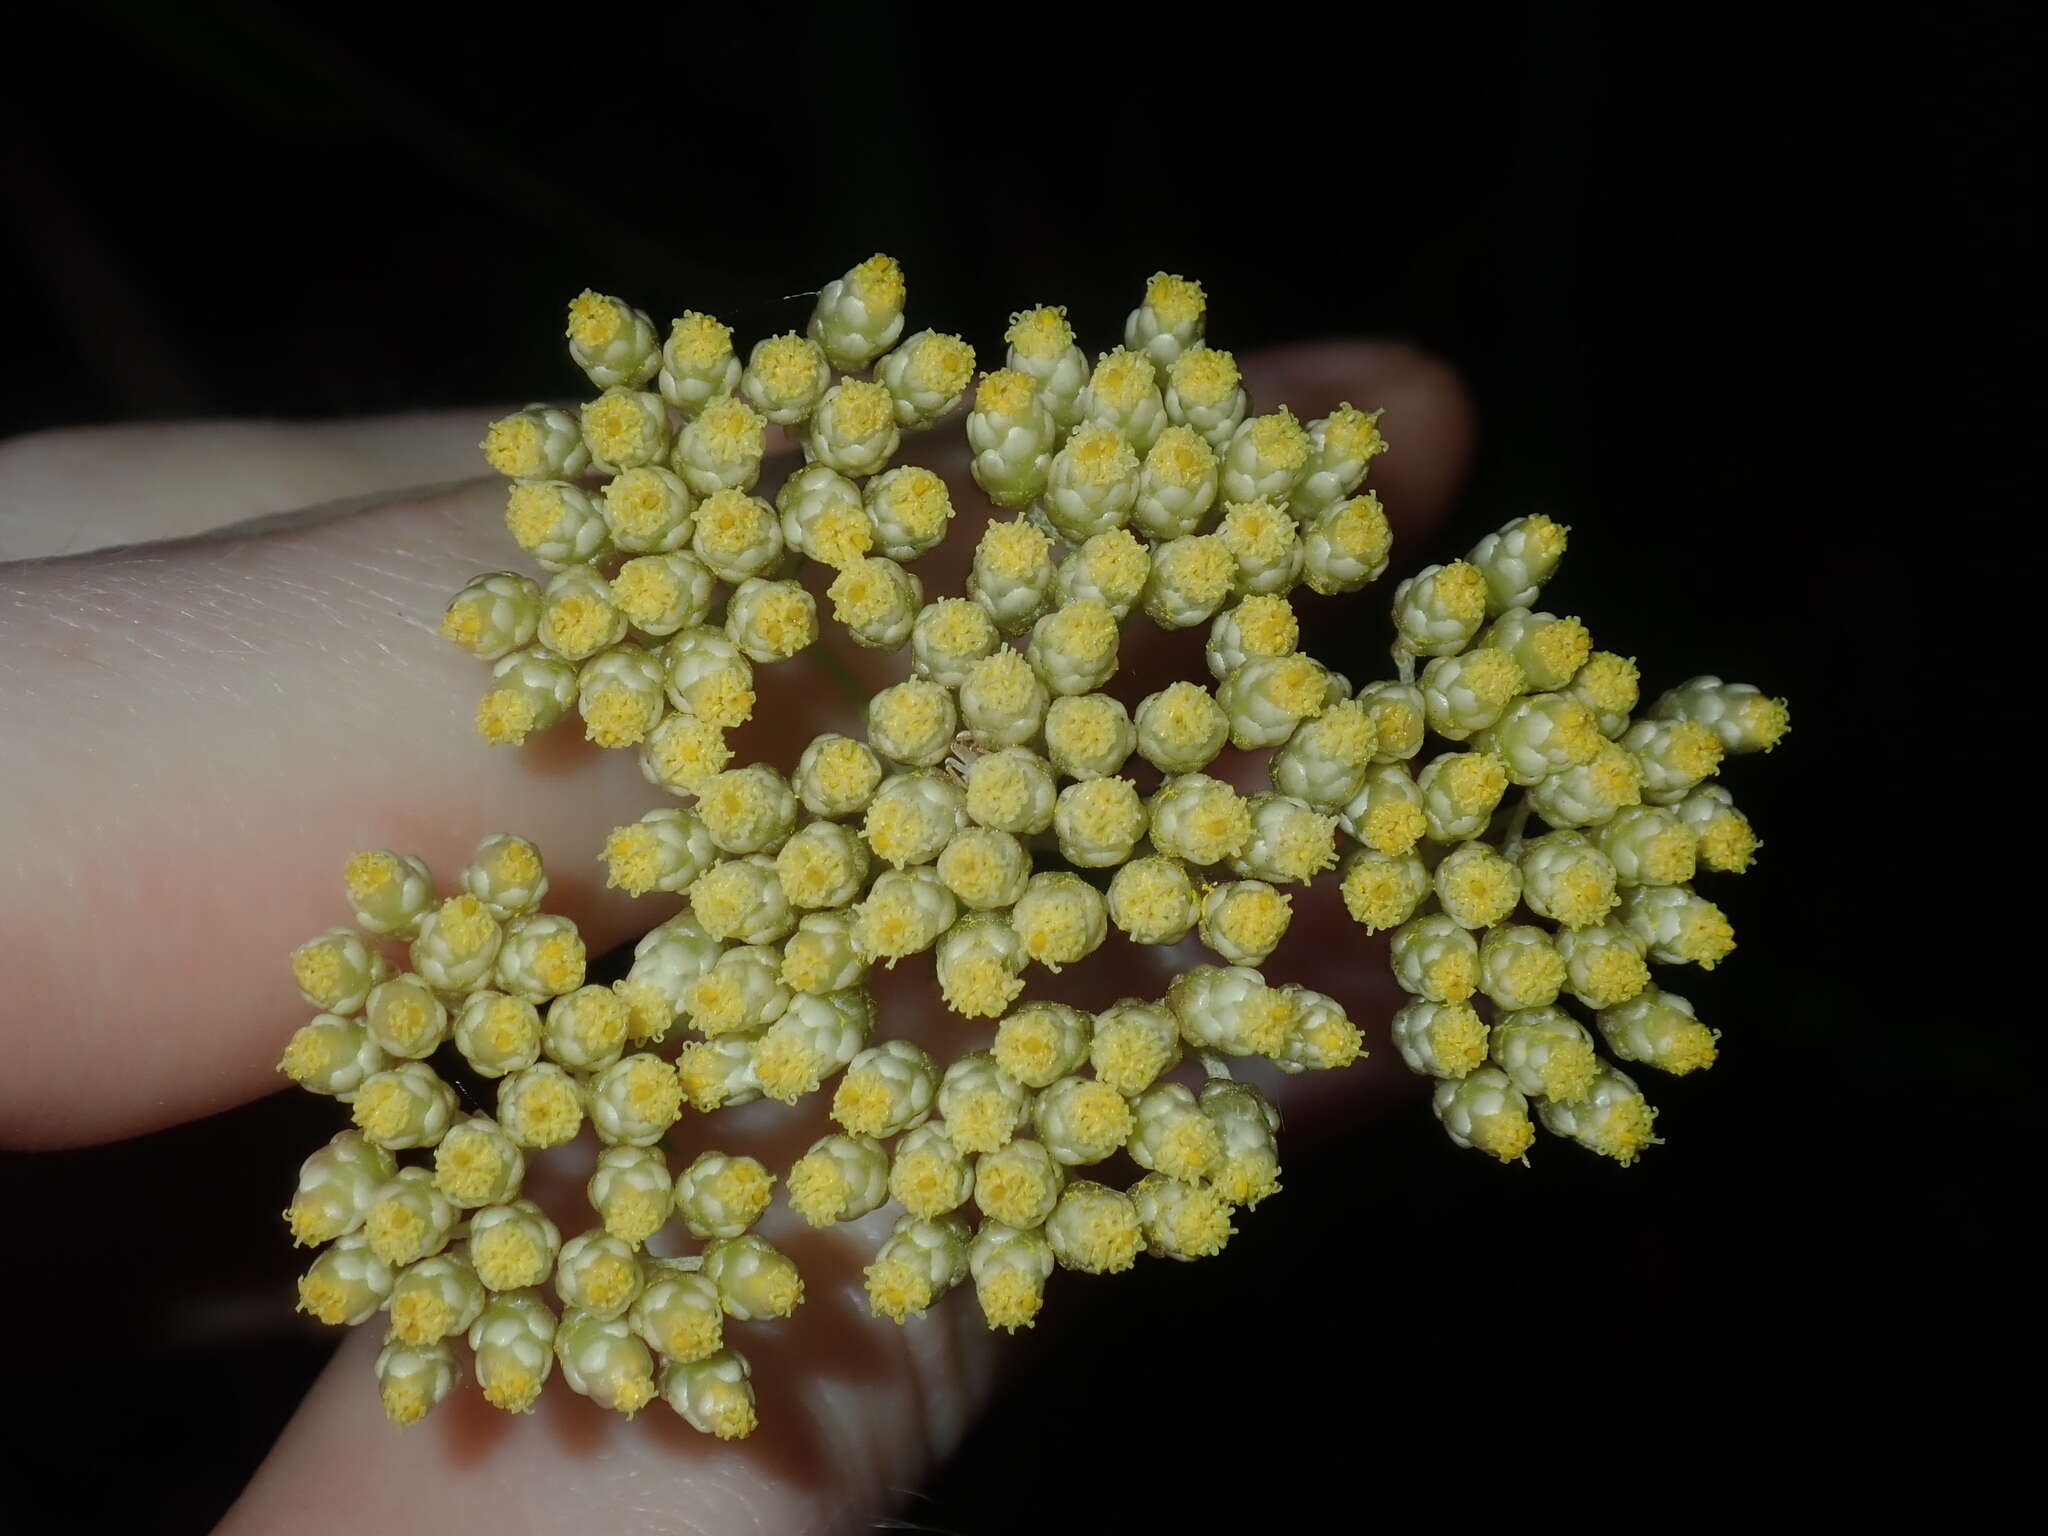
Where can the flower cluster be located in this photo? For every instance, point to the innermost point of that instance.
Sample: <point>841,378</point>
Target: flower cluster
<point>1011,802</point>
<point>420,1206</point>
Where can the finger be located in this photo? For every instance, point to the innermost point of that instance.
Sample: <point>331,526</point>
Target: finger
<point>199,734</point>
<point>76,489</point>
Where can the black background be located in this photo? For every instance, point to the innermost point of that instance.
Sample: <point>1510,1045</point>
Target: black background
<point>1639,241</point>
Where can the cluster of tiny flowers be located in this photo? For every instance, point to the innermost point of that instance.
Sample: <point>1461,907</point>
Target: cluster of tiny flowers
<point>1003,811</point>
<point>464,1037</point>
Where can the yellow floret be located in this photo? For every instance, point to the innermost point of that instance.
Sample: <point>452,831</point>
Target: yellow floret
<point>1505,1134</point>
<point>1128,1059</point>
<point>323,1299</point>
<point>1359,531</point>
<point>468,1168</point>
<point>980,986</point>
<point>1279,440</point>
<point>1217,826</point>
<point>1303,847</point>
<point>1493,676</point>
<point>1010,1299</point>
<point>898,1289</point>
<point>1705,936</point>
<point>1669,857</point>
<point>1473,782</point>
<point>1461,592</point>
<point>1331,1040</point>
<point>1204,377</point>
<point>818,1190</point>
<point>617,716</point>
<point>1689,1047</point>
<point>1376,894</point>
<point>998,791</point>
<point>646,591</point>
<point>532,514</point>
<point>1085,730</point>
<point>1029,1046</point>
<point>1575,733</point>
<point>548,1112</point>
<point>632,1214</point>
<point>840,535</point>
<point>864,594</point>
<point>1266,622</point>
<point>912,716</point>
<point>506,716</point>
<point>312,1052</point>
<point>406,1400</point>
<point>1199,568</point>
<point>691,1333</point>
<point>1041,333</point>
<point>319,970</point>
<point>1534,970</point>
<point>785,1067</point>
<point>730,431</point>
<point>810,870</point>
<point>941,364</point>
<point>1764,721</point>
<point>1582,893</point>
<point>1624,1131</point>
<point>463,623</point>
<point>1452,976</point>
<point>982,1121</point>
<point>1693,749</point>
<point>1121,381</point>
<point>1108,1241</point>
<point>1054,926</point>
<point>648,1085</point>
<point>715,1001</point>
<point>696,341</point>
<point>1181,458</point>
<point>1098,454</point>
<point>1104,814</point>
<point>1608,682</point>
<point>578,624</point>
<point>1399,725</point>
<point>1098,1117</point>
<point>1013,1190</point>
<point>723,697</point>
<point>786,367</point>
<point>618,429</point>
<point>959,629</point>
<point>1482,890</point>
<point>1201,1224</point>
<point>917,501</point>
<point>1352,436</point>
<point>595,320</point>
<point>1004,684</point>
<point>688,751</point>
<point>1393,827</point>
<point>1246,1178</point>
<point>1613,975</point>
<point>877,283</point>
<point>607,1279</point>
<point>860,409</point>
<point>642,505</point>
<point>1561,648</point>
<point>1151,896</point>
<point>1253,916</point>
<point>1266,1019</point>
<point>383,1108</point>
<point>890,923</point>
<point>397,1232</point>
<point>1013,551</point>
<point>313,1222</point>
<point>731,1413</point>
<point>633,858</point>
<point>1183,716</point>
<point>700,1071</point>
<point>1115,563</point>
<point>515,446</point>
<point>511,1387</point>
<point>898,828</point>
<point>1084,630</point>
<point>1004,392</point>
<point>1616,776</point>
<point>1258,534</point>
<point>558,961</point>
<point>1177,301</point>
<point>1728,844</point>
<point>731,525</point>
<point>420,1316</point>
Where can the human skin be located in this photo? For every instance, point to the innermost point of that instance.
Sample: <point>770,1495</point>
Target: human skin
<point>201,730</point>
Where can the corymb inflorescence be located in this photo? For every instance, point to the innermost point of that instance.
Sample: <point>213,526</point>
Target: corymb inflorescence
<point>1535,846</point>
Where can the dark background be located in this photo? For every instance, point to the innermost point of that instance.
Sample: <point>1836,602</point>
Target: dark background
<point>1641,244</point>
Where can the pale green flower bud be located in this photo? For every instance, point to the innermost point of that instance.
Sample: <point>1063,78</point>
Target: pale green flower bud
<point>1199,819</point>
<point>1018,1184</point>
<point>1012,575</point>
<point>903,914</point>
<point>506,875</point>
<point>981,1103</point>
<point>812,1039</point>
<point>1092,482</point>
<point>578,618</point>
<point>1177,485</point>
<point>918,1263</point>
<point>1567,879</point>
<point>1341,446</point>
<point>1433,957</point>
<point>1291,841</point>
<point>1660,1029</point>
<point>854,429</point>
<point>913,816</point>
<point>634,1101</point>
<point>603,1360</point>
<point>836,776</point>
<point>739,994</point>
<point>346,1284</point>
<point>1153,901</point>
<point>1591,793</point>
<point>664,850</point>
<point>332,1055</point>
<point>1061,919</point>
<point>631,1191</point>
<point>336,1186</point>
<point>1013,436</point>
<point>1094,1229</point>
<point>822,865</point>
<point>1181,1220</point>
<point>841,1178</point>
<point>1324,1039</point>
<point>586,1029</point>
<point>877,600</point>
<point>1191,577</point>
<point>1649,845</point>
<point>1037,1045</point>
<point>619,693</point>
<point>336,971</point>
<point>927,376</point>
<point>539,1106</point>
<point>736,535</point>
<point>913,723</point>
<point>1134,1042</point>
<point>1169,321</point>
<point>785,378</point>
<point>1109,569</point>
<point>530,692</point>
<point>1476,887</point>
<point>1012,790</point>
<point>477,1164</point>
<point>1545,1052</point>
<point>1268,696</point>
<point>1073,648</point>
<point>980,959</point>
<point>1438,610</point>
<point>660,594</point>
<point>437,1298</point>
<point>1483,1109</point>
<point>1608,685</point>
<point>1181,728</point>
<point>1541,734</point>
<point>1088,736</point>
<point>623,429</point>
<point>513,1340</point>
<point>1727,843</point>
<point>407,1106</point>
<point>948,637</point>
<point>1099,822</point>
<point>1439,1039</point>
<point>713,1395</point>
<point>648,510</point>
<point>820,957</point>
<point>412,1379</point>
<point>823,516</point>
<point>598,1275</point>
<point>1464,694</point>
<point>985,868</point>
<point>718,1073</point>
<point>558,524</point>
<point>1041,346</point>
<point>771,621</point>
<point>1516,560</point>
<point>1244,920</point>
<point>1603,964</point>
<point>1549,650</point>
<point>859,316</point>
<point>1739,714</point>
<point>390,893</point>
<point>1001,698</point>
<point>1611,1118</point>
<point>494,613</point>
<point>747,810</point>
<point>407,1217</point>
<point>910,509</point>
<point>612,342</point>
<point>1264,545</point>
<point>1520,967</point>
<point>754,1279</point>
<point>1266,456</point>
<point>1387,812</point>
<point>742,900</point>
<point>538,443</point>
<point>697,362</point>
<point>1248,1123</point>
<point>1010,1266</point>
<point>1398,719</point>
<point>513,1246</point>
<point>1677,926</point>
<point>720,1195</point>
<point>887,1089</point>
<point>1205,393</point>
<point>1380,891</point>
<point>718,450</point>
<point>1676,755</point>
<point>1347,546</point>
<point>1230,1009</point>
<point>1082,1120</point>
<point>1259,625</point>
<point>1460,791</point>
<point>541,957</point>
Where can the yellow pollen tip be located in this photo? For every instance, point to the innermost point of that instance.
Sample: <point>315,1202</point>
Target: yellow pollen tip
<point>513,447</point>
<point>1181,458</point>
<point>860,409</point>
<point>877,282</point>
<point>696,341</point>
<point>897,1290</point>
<point>1204,377</point>
<point>1013,551</point>
<point>1041,333</point>
<point>420,1317</point>
<point>506,716</point>
<point>1177,301</point>
<point>405,1401</point>
<point>594,319</point>
<point>1004,392</point>
<point>1506,1134</point>
<point>1010,1299</point>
